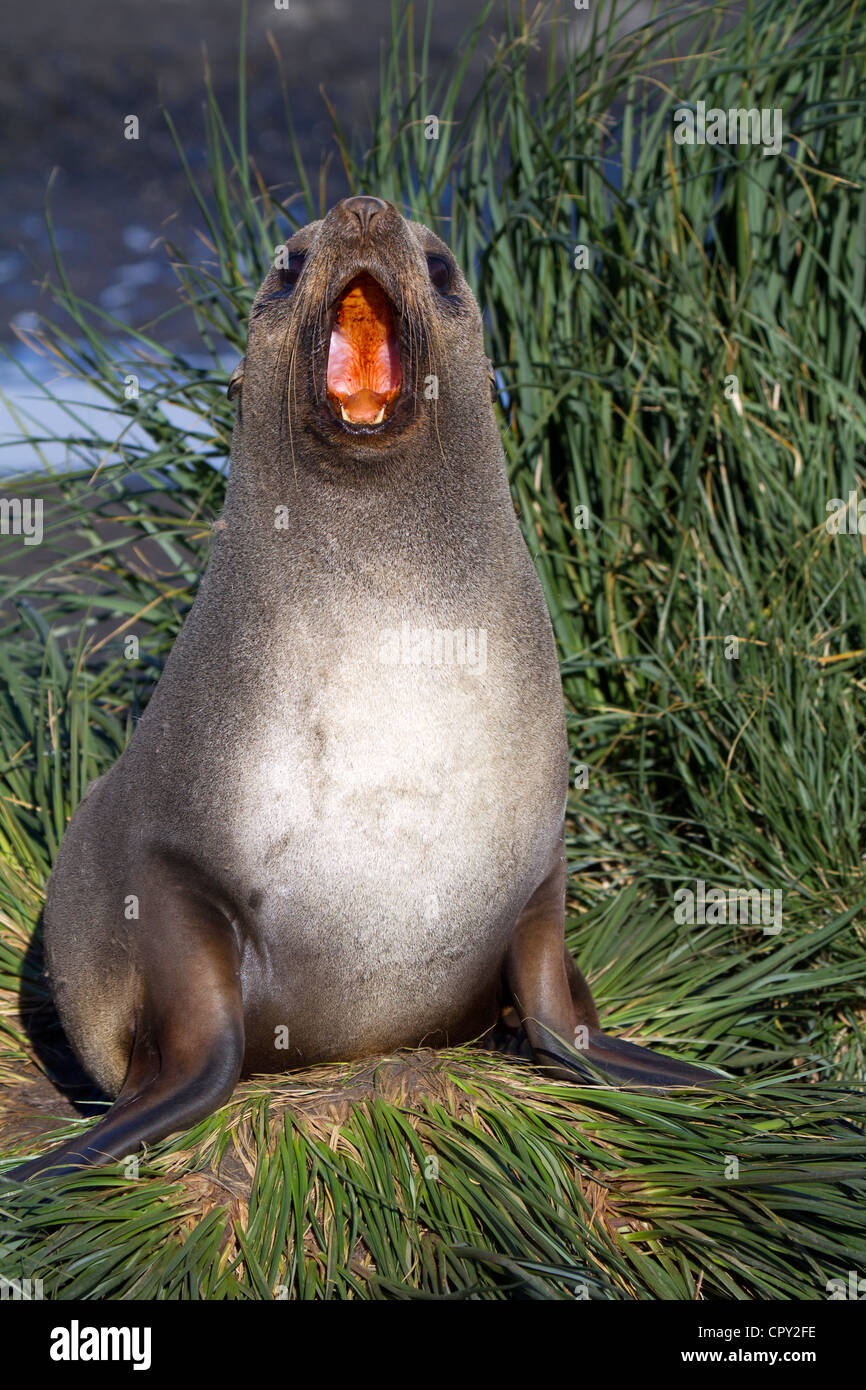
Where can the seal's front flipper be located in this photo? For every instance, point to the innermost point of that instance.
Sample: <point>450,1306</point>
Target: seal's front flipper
<point>189,1039</point>
<point>555,1006</point>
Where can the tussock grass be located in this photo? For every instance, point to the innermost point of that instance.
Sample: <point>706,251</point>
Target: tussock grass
<point>706,501</point>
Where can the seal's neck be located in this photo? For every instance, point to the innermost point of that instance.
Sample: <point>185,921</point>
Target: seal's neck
<point>415,505</point>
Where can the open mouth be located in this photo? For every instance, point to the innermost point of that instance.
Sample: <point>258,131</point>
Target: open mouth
<point>364,374</point>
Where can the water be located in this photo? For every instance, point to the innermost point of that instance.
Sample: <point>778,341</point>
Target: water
<point>113,200</point>
<point>43,409</point>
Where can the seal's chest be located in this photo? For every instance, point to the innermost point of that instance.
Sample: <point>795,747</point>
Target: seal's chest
<point>380,765</point>
<point>381,828</point>
<point>383,747</point>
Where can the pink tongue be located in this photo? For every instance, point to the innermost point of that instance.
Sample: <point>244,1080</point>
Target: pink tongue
<point>363,356</point>
<point>355,364</point>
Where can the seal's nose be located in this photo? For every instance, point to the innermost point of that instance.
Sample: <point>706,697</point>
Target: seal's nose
<point>365,209</point>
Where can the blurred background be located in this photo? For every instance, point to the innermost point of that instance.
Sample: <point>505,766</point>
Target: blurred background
<point>71,73</point>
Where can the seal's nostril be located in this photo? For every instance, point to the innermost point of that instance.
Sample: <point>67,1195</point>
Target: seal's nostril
<point>365,209</point>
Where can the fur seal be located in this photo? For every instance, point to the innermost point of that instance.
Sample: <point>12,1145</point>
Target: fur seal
<point>337,829</point>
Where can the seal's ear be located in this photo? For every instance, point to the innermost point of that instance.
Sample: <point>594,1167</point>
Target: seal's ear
<point>236,380</point>
<point>491,376</point>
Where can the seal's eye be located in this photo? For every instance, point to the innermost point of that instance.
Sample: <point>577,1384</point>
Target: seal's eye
<point>290,273</point>
<point>440,273</point>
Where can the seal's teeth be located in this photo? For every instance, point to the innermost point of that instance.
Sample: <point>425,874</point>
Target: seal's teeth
<point>351,421</point>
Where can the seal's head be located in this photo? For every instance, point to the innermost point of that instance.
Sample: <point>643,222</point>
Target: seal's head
<point>362,321</point>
